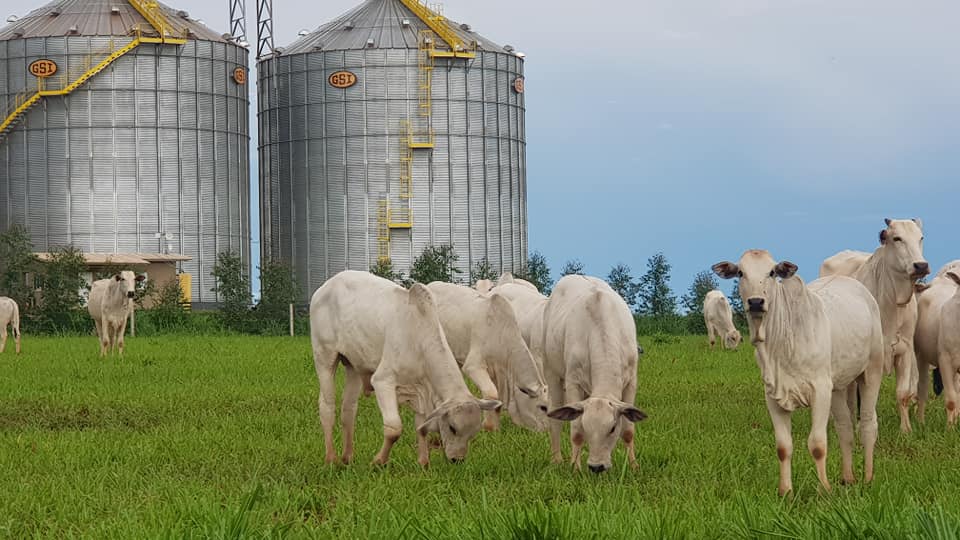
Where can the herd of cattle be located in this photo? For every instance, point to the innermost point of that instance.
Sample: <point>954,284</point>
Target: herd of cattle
<point>572,356</point>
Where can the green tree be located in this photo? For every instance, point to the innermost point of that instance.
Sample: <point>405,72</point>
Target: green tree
<point>61,282</point>
<point>16,260</point>
<point>571,267</point>
<point>537,272</point>
<point>655,297</point>
<point>621,281</point>
<point>384,269</point>
<point>736,305</point>
<point>692,301</point>
<point>233,288</point>
<point>167,307</point>
<point>483,270</point>
<point>436,263</point>
<point>278,289</point>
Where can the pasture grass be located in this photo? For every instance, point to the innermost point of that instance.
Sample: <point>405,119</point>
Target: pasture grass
<point>218,437</point>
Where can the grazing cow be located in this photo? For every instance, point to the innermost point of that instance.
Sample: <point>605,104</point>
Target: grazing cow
<point>937,340</point>
<point>719,320</point>
<point>528,306</point>
<point>9,315</point>
<point>889,274</point>
<point>812,344</point>
<point>110,304</point>
<point>391,336</point>
<point>590,342</point>
<point>485,338</point>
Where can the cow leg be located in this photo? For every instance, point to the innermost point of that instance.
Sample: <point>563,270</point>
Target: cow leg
<point>923,388</point>
<point>629,396</point>
<point>121,330</point>
<point>3,338</point>
<point>903,365</point>
<point>781,430</point>
<point>948,370</point>
<point>576,427</point>
<point>844,426</point>
<point>386,392</point>
<point>352,388</point>
<point>325,362</point>
<point>477,373</point>
<point>817,441</point>
<point>423,444</point>
<point>16,338</point>
<point>105,337</point>
<point>556,395</point>
<point>711,335</point>
<point>872,378</point>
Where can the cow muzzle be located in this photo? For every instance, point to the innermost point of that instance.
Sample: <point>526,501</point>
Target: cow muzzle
<point>756,306</point>
<point>920,270</point>
<point>597,469</point>
<point>129,294</point>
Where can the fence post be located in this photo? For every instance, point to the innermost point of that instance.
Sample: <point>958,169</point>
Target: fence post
<point>291,320</point>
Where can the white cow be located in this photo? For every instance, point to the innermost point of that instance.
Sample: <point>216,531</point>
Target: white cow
<point>889,274</point>
<point>110,304</point>
<point>485,338</point>
<point>483,286</point>
<point>381,331</point>
<point>718,317</point>
<point>528,306</point>
<point>937,340</point>
<point>813,343</point>
<point>9,315</point>
<point>590,342</point>
<point>508,277</point>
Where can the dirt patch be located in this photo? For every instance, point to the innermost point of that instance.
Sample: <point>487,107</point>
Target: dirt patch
<point>38,414</point>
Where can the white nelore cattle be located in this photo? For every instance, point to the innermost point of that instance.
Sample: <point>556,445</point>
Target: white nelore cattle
<point>812,344</point>
<point>508,277</point>
<point>109,304</point>
<point>528,305</point>
<point>719,320</point>
<point>485,338</point>
<point>937,340</point>
<point>889,274</point>
<point>9,315</point>
<point>590,342</point>
<point>381,331</point>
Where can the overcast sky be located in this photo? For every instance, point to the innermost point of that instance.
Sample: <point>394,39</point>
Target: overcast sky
<point>703,128</point>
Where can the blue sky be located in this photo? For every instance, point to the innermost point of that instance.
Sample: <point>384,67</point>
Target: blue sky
<point>702,128</point>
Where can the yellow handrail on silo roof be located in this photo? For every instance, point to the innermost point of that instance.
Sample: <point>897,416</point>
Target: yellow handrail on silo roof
<point>437,23</point>
<point>150,11</point>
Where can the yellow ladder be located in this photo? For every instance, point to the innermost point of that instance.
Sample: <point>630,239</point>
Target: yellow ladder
<point>383,230</point>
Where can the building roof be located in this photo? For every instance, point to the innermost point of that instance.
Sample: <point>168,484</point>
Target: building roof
<point>96,18</point>
<point>106,259</point>
<point>383,22</point>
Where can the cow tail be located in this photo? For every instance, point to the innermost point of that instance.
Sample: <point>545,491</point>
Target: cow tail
<point>16,321</point>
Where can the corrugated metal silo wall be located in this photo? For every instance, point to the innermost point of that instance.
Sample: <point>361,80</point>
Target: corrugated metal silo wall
<point>328,155</point>
<point>158,142</point>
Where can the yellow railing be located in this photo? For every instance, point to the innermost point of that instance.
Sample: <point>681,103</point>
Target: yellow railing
<point>436,22</point>
<point>150,10</point>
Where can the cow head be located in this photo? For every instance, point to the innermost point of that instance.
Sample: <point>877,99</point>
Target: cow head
<point>128,282</point>
<point>758,273</point>
<point>903,248</point>
<point>529,408</point>
<point>732,339</point>
<point>601,420</point>
<point>457,422</point>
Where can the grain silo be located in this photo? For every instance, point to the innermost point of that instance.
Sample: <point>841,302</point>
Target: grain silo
<point>138,139</point>
<point>386,130</point>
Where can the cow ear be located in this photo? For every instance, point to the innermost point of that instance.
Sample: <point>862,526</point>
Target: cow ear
<point>489,405</point>
<point>567,413</point>
<point>141,277</point>
<point>919,222</point>
<point>883,237</point>
<point>117,277</point>
<point>954,277</point>
<point>786,269</point>
<point>631,413</point>
<point>726,269</point>
<point>887,221</point>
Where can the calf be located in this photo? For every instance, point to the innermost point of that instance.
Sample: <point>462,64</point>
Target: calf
<point>590,363</point>
<point>719,320</point>
<point>485,338</point>
<point>813,343</point>
<point>9,315</point>
<point>110,304</point>
<point>391,336</point>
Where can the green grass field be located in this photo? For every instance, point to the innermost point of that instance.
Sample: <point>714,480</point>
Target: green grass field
<point>219,437</point>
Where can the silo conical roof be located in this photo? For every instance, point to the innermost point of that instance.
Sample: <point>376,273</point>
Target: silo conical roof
<point>96,18</point>
<point>383,22</point>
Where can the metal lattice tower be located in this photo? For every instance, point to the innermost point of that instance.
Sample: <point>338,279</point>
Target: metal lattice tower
<point>264,28</point>
<point>238,20</point>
